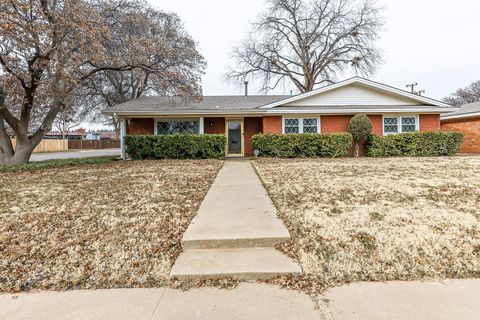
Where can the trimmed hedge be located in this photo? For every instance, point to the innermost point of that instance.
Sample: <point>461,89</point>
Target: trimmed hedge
<point>178,146</point>
<point>415,144</point>
<point>302,145</point>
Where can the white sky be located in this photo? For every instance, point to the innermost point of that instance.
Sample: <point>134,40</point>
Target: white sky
<point>433,42</point>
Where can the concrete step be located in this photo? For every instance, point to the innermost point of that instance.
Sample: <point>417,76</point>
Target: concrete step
<point>231,243</point>
<point>242,263</point>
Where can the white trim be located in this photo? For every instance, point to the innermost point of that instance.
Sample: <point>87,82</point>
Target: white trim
<point>399,122</point>
<point>366,82</point>
<point>201,125</point>
<point>357,111</point>
<point>300,122</point>
<point>260,112</point>
<point>123,133</point>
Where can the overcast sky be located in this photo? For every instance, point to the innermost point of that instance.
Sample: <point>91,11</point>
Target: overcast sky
<point>433,42</point>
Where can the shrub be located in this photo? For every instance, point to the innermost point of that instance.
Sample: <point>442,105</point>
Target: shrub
<point>302,145</point>
<point>360,128</point>
<point>415,144</point>
<point>179,146</point>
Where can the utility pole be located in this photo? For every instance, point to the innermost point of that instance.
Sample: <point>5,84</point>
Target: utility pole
<point>412,86</point>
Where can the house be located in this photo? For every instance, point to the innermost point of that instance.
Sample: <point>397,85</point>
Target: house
<point>465,120</point>
<point>325,110</point>
<point>72,135</point>
<point>108,135</point>
<point>92,136</point>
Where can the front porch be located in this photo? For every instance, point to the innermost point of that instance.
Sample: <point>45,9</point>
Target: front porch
<point>238,129</point>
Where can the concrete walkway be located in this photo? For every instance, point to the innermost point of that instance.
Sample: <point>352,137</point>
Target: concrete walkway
<point>75,154</point>
<point>235,231</point>
<point>248,301</point>
<point>445,300</point>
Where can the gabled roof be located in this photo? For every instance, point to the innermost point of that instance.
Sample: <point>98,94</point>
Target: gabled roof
<point>466,111</point>
<point>366,83</point>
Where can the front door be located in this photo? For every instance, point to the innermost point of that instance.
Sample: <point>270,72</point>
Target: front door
<point>234,131</point>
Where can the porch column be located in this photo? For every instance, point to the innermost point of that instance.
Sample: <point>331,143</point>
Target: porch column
<point>123,133</point>
<point>201,128</point>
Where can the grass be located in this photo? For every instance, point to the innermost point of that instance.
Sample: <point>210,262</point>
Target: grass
<point>50,164</point>
<point>377,219</point>
<point>108,225</point>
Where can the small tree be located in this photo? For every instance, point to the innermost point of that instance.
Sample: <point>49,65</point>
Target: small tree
<point>360,127</point>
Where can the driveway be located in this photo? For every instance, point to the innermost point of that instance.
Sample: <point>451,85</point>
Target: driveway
<point>75,154</point>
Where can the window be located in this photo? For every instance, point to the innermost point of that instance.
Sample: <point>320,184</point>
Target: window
<point>301,125</point>
<point>292,125</point>
<point>409,124</point>
<point>393,125</point>
<point>390,125</point>
<point>178,127</point>
<point>310,125</point>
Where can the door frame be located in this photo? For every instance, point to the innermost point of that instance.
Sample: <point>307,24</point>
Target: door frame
<point>242,135</point>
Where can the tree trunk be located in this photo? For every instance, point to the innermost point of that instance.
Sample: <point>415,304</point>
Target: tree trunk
<point>21,154</point>
<point>356,151</point>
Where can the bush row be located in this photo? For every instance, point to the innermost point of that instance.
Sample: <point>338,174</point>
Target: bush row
<point>302,145</point>
<point>415,144</point>
<point>180,146</point>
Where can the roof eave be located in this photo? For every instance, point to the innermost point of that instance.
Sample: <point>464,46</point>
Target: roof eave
<point>460,116</point>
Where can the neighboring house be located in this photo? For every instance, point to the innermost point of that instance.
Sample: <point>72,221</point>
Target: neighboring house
<point>325,110</point>
<point>467,121</point>
<point>92,136</point>
<point>69,136</point>
<point>108,135</point>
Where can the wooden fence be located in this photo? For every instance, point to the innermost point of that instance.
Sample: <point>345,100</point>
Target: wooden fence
<point>93,144</point>
<point>49,145</point>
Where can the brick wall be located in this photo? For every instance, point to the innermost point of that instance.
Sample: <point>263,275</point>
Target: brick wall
<point>214,125</point>
<point>272,124</point>
<point>429,122</point>
<point>251,126</point>
<point>470,127</point>
<point>140,126</point>
<point>339,123</point>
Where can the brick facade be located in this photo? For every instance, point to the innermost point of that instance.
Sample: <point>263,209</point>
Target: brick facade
<point>339,123</point>
<point>140,126</point>
<point>272,124</point>
<point>429,122</point>
<point>214,125</point>
<point>329,124</point>
<point>470,127</point>
<point>251,126</point>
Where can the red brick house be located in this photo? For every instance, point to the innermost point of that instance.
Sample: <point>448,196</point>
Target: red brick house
<point>325,110</point>
<point>467,121</point>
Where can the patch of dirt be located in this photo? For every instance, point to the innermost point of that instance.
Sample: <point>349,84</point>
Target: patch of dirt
<point>98,226</point>
<point>377,219</point>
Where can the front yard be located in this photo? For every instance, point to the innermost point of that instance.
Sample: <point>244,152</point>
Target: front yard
<point>97,226</point>
<point>378,219</point>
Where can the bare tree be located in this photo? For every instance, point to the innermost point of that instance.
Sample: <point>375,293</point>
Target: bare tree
<point>308,42</point>
<point>48,50</point>
<point>465,95</point>
<point>160,41</point>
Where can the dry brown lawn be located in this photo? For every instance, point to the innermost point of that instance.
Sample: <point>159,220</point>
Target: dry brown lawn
<point>97,226</point>
<point>378,219</point>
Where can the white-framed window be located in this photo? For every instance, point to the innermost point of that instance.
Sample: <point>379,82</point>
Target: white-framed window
<point>186,126</point>
<point>400,124</point>
<point>301,125</point>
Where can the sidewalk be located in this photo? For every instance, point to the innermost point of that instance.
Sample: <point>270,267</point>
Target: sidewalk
<point>75,154</point>
<point>248,301</point>
<point>235,231</point>
<point>415,300</point>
